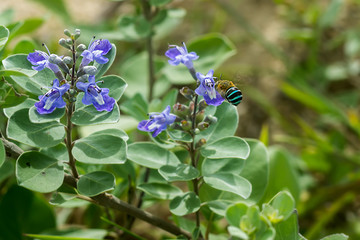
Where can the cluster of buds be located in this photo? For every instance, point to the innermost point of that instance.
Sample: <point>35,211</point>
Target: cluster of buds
<point>185,114</point>
<point>68,80</point>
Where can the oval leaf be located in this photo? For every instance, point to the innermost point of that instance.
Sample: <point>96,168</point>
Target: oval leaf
<point>35,117</point>
<point>4,36</point>
<point>284,203</point>
<point>229,165</point>
<point>235,212</point>
<point>100,149</point>
<point>228,147</point>
<point>150,155</point>
<point>88,115</point>
<point>28,103</point>
<point>227,122</point>
<point>34,134</point>
<point>116,84</point>
<point>94,183</point>
<point>256,169</point>
<point>229,182</point>
<point>181,172</point>
<point>35,80</point>
<point>39,172</point>
<point>102,68</point>
<point>185,204</point>
<point>160,190</point>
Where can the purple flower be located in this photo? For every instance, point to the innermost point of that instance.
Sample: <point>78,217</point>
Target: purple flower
<point>207,89</point>
<point>97,96</point>
<point>96,52</point>
<point>40,60</point>
<point>52,99</point>
<point>158,122</point>
<point>179,55</point>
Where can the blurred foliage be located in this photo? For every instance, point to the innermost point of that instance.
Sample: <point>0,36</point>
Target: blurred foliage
<point>310,117</point>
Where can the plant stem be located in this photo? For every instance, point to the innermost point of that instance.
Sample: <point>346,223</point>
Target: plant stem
<point>68,140</point>
<point>149,47</point>
<point>69,112</point>
<point>110,201</point>
<point>193,159</point>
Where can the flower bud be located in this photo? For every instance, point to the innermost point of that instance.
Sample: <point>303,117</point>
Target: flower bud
<point>77,33</point>
<point>58,61</point>
<point>81,47</point>
<point>59,76</point>
<point>187,93</point>
<point>200,143</point>
<point>91,70</point>
<point>181,110</point>
<point>203,125</point>
<point>67,32</point>
<point>83,78</point>
<point>68,41</point>
<point>186,125</point>
<point>72,92</point>
<point>200,116</point>
<point>196,131</point>
<point>68,60</point>
<point>202,105</point>
<point>62,42</point>
<point>210,119</point>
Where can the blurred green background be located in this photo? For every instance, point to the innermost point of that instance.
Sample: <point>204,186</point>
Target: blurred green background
<point>296,62</point>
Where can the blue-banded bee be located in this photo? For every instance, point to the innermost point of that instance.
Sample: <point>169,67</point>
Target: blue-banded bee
<point>229,91</point>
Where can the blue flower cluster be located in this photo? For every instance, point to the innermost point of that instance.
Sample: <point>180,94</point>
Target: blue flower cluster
<point>93,94</point>
<point>158,122</point>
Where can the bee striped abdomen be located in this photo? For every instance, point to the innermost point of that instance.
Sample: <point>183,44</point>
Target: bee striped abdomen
<point>233,95</point>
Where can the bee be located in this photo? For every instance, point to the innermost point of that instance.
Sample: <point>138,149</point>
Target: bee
<point>229,91</point>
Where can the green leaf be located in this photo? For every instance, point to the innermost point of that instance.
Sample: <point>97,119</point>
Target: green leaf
<point>94,183</point>
<point>39,172</point>
<point>134,28</point>
<point>116,84</point>
<point>228,147</point>
<point>137,107</point>
<point>219,206</point>
<point>288,229</point>
<point>226,125</point>
<point>24,211</point>
<point>4,36</point>
<point>228,165</point>
<point>338,236</point>
<point>24,46</point>
<point>284,203</point>
<point>229,182</point>
<point>136,68</point>
<point>179,135</point>
<point>72,234</point>
<point>235,212</point>
<point>181,172</point>
<point>159,2</point>
<point>160,190</point>
<point>167,20</point>
<point>34,134</point>
<point>100,148</point>
<point>213,50</point>
<point>7,16</point>
<point>2,153</point>
<point>150,155</point>
<point>330,15</point>
<point>28,103</point>
<point>25,26</point>
<point>35,117</point>
<point>102,68</point>
<point>35,80</point>
<point>256,169</point>
<point>7,73</point>
<point>88,115</point>
<point>169,99</point>
<point>282,174</point>
<point>113,131</point>
<point>237,232</point>
<point>185,204</point>
<point>6,170</point>
<point>58,7</point>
